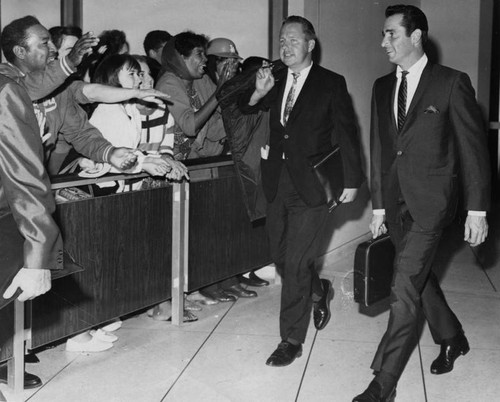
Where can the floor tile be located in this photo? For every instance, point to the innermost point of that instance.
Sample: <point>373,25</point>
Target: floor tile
<point>232,368</point>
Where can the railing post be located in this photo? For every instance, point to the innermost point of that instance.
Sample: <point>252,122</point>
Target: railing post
<point>180,238</point>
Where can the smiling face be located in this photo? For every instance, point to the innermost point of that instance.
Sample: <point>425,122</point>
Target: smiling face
<point>34,56</point>
<point>129,78</point>
<point>401,49</point>
<point>295,49</point>
<point>147,81</point>
<point>196,63</point>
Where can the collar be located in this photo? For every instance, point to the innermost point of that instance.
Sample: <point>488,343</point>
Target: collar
<point>414,70</point>
<point>303,73</point>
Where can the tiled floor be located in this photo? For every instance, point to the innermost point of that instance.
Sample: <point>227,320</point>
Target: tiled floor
<point>221,357</point>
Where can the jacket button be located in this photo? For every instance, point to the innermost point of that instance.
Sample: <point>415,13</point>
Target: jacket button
<point>399,153</point>
<point>286,136</point>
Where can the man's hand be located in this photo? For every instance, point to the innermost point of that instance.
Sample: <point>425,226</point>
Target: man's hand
<point>178,170</point>
<point>32,282</point>
<point>152,95</point>
<point>348,195</point>
<point>123,158</point>
<point>377,225</point>
<point>264,81</point>
<point>155,166</point>
<point>82,47</point>
<point>476,230</point>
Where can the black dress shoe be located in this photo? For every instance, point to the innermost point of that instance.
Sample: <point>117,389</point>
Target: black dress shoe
<point>450,351</point>
<point>238,291</point>
<point>219,295</point>
<point>30,380</point>
<point>321,313</point>
<point>374,393</point>
<point>253,280</point>
<point>285,354</point>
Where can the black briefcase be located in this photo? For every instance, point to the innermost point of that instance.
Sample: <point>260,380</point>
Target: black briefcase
<point>373,270</point>
<point>329,171</point>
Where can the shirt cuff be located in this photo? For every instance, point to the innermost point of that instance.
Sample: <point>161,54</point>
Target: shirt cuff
<point>379,212</point>
<point>476,213</point>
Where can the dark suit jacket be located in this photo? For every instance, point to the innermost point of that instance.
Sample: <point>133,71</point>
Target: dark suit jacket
<point>442,144</point>
<point>24,183</point>
<point>322,116</point>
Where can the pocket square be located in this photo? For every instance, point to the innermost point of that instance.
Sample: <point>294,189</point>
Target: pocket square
<point>431,109</point>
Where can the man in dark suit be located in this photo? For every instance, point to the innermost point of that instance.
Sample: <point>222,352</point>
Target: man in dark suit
<point>310,112</point>
<point>427,136</point>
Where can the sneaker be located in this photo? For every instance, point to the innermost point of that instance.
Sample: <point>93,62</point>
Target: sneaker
<point>92,346</point>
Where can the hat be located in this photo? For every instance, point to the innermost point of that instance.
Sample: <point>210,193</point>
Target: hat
<point>222,47</point>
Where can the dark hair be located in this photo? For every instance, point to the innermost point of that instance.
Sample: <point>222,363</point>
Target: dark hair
<point>413,18</point>
<point>113,39</point>
<point>107,71</point>
<point>15,34</point>
<point>185,42</point>
<point>307,27</point>
<point>155,39</point>
<point>57,34</point>
<point>253,63</point>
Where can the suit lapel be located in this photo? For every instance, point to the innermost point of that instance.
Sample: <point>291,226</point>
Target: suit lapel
<point>421,87</point>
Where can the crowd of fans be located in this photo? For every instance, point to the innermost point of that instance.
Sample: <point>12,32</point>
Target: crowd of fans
<point>116,112</point>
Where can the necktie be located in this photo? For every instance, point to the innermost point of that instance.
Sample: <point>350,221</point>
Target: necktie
<point>290,98</point>
<point>402,100</point>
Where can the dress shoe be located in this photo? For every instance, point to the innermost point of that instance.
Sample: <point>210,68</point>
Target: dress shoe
<point>191,305</point>
<point>285,354</point>
<point>113,326</point>
<point>253,280</point>
<point>238,291</point>
<point>450,350</point>
<point>374,393</point>
<point>30,380</point>
<point>219,294</point>
<point>199,298</point>
<point>322,311</point>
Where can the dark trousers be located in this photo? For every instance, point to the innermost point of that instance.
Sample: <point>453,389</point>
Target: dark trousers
<point>415,289</point>
<point>293,230</point>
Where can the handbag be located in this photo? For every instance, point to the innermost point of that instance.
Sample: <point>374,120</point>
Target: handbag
<point>373,270</point>
<point>328,169</point>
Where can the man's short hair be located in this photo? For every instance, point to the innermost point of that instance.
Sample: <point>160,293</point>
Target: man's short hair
<point>185,42</point>
<point>58,33</point>
<point>413,18</point>
<point>307,27</point>
<point>155,39</point>
<point>15,34</point>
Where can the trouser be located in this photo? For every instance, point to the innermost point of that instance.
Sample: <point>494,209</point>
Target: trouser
<point>294,229</point>
<point>415,289</point>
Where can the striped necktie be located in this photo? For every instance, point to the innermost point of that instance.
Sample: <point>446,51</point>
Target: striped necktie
<point>290,98</point>
<point>402,100</point>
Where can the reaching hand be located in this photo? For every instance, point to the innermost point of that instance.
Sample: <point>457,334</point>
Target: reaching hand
<point>155,166</point>
<point>82,47</point>
<point>476,230</point>
<point>32,282</point>
<point>123,158</point>
<point>178,170</point>
<point>377,226</point>
<point>152,95</point>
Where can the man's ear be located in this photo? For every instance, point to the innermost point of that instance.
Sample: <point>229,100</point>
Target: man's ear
<point>19,52</point>
<point>416,36</point>
<point>310,45</point>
